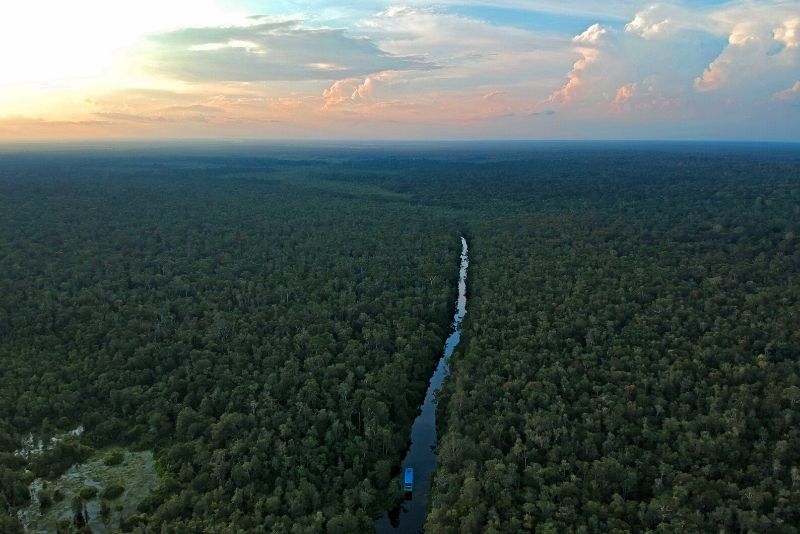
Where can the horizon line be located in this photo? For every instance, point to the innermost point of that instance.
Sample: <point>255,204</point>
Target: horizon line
<point>228,141</point>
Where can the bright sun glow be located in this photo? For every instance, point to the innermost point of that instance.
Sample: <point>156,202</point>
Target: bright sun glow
<point>399,68</point>
<point>54,43</point>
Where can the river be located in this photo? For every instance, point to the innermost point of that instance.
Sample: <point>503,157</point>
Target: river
<point>409,516</point>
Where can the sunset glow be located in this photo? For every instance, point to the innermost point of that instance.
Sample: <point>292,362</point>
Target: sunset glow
<point>375,69</point>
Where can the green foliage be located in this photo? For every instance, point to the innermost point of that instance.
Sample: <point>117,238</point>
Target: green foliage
<point>45,497</point>
<point>270,340</point>
<point>10,525</point>
<point>13,491</point>
<point>55,460</point>
<point>629,359</point>
<point>88,493</point>
<point>111,492</point>
<point>114,458</point>
<point>268,328</point>
<point>105,511</point>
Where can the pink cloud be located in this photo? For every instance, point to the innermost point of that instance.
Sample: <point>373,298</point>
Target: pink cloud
<point>790,94</point>
<point>352,90</point>
<point>339,92</point>
<point>751,52</point>
<point>575,79</point>
<point>495,94</point>
<point>624,94</point>
<point>743,36</point>
<point>589,40</point>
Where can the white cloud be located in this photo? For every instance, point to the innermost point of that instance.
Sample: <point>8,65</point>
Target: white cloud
<point>397,11</point>
<point>762,46</point>
<point>789,33</point>
<point>446,38</point>
<point>424,64</point>
<point>473,56</point>
<point>743,41</point>
<point>593,35</point>
<point>665,20</point>
<point>650,23</point>
<point>270,50</point>
<point>614,9</point>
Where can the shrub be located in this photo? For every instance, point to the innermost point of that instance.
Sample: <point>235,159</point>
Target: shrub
<point>113,491</point>
<point>114,458</point>
<point>88,493</point>
<point>45,499</point>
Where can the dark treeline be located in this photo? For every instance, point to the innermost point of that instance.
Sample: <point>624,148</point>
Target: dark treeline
<point>270,342</point>
<point>266,324</point>
<point>630,358</point>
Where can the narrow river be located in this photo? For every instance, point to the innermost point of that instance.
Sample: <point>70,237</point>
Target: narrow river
<point>421,456</point>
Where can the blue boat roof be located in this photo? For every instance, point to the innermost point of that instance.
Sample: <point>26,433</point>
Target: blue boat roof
<point>409,475</point>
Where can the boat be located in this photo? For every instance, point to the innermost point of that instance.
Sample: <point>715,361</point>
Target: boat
<point>408,479</point>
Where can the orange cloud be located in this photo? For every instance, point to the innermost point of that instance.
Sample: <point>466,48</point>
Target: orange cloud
<point>589,40</point>
<point>575,81</point>
<point>787,95</point>
<point>352,90</point>
<point>624,94</point>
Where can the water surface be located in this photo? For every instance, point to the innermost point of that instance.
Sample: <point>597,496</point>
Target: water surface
<point>421,456</point>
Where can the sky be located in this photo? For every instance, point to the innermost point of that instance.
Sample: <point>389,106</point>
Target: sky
<point>414,70</point>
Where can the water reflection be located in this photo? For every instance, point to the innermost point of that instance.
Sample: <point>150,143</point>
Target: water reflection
<point>409,516</point>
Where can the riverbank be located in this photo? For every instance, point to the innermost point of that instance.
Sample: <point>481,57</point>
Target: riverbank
<point>409,516</point>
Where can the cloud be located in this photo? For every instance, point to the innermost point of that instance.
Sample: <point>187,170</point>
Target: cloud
<point>129,117</point>
<point>760,45</point>
<point>271,51</point>
<point>353,90</point>
<point>624,94</point>
<point>154,106</point>
<point>592,36</point>
<point>150,119</point>
<point>589,39</point>
<point>196,37</point>
<point>451,40</point>
<point>424,68</point>
<point>337,93</point>
<point>789,95</point>
<point>646,98</point>
<point>617,71</point>
<point>575,79</point>
<point>789,33</point>
<point>743,40</point>
<point>367,88</point>
<point>495,94</point>
<point>398,11</point>
<point>196,108</point>
<point>664,21</point>
<point>24,127</point>
<point>616,9</point>
<point>650,23</point>
<point>475,58</point>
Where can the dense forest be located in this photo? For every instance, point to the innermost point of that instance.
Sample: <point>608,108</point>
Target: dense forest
<point>631,358</point>
<point>266,321</point>
<point>271,342</point>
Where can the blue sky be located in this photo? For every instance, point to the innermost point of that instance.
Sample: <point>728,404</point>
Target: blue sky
<point>375,69</point>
